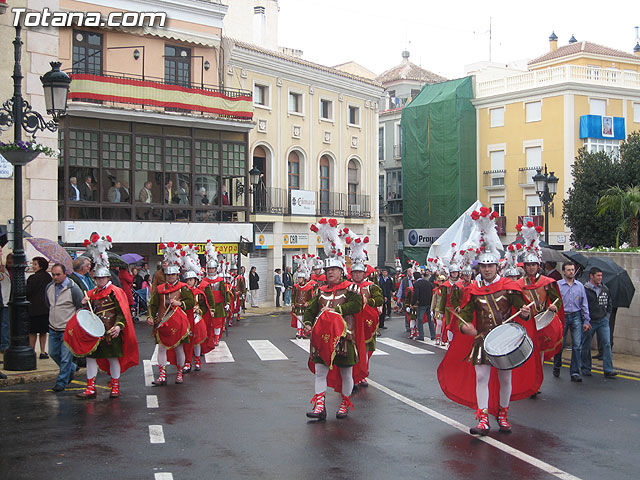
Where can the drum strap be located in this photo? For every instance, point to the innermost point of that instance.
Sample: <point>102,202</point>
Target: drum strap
<point>493,306</point>
<point>539,305</point>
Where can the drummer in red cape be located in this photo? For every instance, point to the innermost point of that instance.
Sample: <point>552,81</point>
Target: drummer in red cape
<point>117,350</point>
<point>372,298</point>
<point>193,349</point>
<point>543,292</point>
<point>213,286</point>
<point>450,292</point>
<point>466,374</point>
<point>167,314</point>
<point>335,359</point>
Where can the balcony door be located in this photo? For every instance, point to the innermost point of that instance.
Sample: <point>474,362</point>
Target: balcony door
<point>177,65</point>
<point>87,52</point>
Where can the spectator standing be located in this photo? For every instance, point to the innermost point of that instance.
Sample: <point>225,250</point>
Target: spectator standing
<point>600,309</point>
<point>288,286</point>
<point>279,285</point>
<point>80,274</point>
<point>5,293</point>
<point>144,270</point>
<point>387,286</point>
<point>158,277</point>
<point>422,293</point>
<point>38,308</point>
<point>405,283</point>
<point>63,299</point>
<point>126,280</point>
<point>254,278</point>
<point>550,271</point>
<point>86,189</point>
<point>576,320</point>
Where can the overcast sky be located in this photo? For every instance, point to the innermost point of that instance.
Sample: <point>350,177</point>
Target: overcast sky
<point>443,36</point>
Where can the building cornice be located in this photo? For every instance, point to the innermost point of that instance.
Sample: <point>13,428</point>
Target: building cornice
<point>559,61</point>
<point>290,70</point>
<point>557,89</point>
<point>178,120</point>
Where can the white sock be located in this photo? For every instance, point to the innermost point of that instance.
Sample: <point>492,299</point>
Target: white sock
<point>92,367</point>
<point>216,331</point>
<point>114,366</point>
<point>162,355</point>
<point>412,323</point>
<point>505,387</point>
<point>180,358</point>
<point>321,378</point>
<point>197,350</point>
<point>483,372</point>
<point>300,325</point>
<point>347,380</point>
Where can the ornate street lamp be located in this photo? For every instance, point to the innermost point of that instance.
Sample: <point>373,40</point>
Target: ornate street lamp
<point>254,179</point>
<point>546,188</point>
<point>17,112</point>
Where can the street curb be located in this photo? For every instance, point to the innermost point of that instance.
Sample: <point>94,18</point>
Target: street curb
<point>28,378</point>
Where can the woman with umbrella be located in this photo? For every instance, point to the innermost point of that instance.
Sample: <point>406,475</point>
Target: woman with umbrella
<point>38,310</point>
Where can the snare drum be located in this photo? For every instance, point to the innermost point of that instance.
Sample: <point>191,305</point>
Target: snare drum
<point>173,328</point>
<point>508,346</point>
<point>83,333</point>
<point>543,319</point>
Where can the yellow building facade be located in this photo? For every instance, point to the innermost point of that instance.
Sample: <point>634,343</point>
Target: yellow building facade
<point>579,95</point>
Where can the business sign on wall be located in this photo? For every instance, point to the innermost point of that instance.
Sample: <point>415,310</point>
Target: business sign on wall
<point>421,237</point>
<point>303,202</point>
<point>295,240</point>
<point>6,169</point>
<point>220,248</point>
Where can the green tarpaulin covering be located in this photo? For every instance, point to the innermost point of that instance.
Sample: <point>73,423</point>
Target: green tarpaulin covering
<point>438,157</point>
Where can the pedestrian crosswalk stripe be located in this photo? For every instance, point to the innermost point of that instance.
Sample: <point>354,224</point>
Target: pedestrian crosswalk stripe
<point>152,401</point>
<point>432,343</point>
<point>221,354</point>
<point>404,347</point>
<point>303,343</point>
<point>148,372</point>
<point>163,476</point>
<point>266,350</point>
<point>156,434</point>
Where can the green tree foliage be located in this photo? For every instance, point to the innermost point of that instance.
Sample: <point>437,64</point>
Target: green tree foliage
<point>630,160</point>
<point>625,204</point>
<point>592,174</point>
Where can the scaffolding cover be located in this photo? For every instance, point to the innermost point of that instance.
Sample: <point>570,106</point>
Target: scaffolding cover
<point>438,157</point>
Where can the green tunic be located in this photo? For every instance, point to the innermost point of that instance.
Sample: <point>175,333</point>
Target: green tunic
<point>375,300</point>
<point>112,347</point>
<point>218,308</point>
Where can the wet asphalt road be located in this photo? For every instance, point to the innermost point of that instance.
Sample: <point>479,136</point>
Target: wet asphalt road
<point>246,419</point>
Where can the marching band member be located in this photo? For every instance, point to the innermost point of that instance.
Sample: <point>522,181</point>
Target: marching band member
<point>168,314</point>
<point>239,287</point>
<point>330,319</point>
<point>117,350</point>
<point>303,292</point>
<point>214,289</point>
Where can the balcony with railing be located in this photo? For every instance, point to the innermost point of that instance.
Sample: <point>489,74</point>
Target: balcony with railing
<point>525,176</point>
<point>153,94</point>
<point>557,75</point>
<point>270,200</point>
<point>493,179</point>
<point>343,205</point>
<point>392,207</point>
<point>538,220</point>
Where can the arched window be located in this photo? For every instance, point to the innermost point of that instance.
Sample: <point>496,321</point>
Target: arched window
<point>324,185</point>
<point>353,182</point>
<point>294,171</point>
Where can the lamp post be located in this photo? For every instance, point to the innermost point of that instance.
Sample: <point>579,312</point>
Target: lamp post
<point>17,112</point>
<point>254,179</point>
<point>546,188</point>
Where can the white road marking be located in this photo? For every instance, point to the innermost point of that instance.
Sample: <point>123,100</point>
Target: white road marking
<point>156,435</point>
<point>465,429</point>
<point>266,350</point>
<point>403,346</point>
<point>154,357</point>
<point>432,343</point>
<point>152,401</point>
<point>377,351</point>
<point>148,373</point>
<point>303,343</point>
<point>163,476</point>
<point>220,354</point>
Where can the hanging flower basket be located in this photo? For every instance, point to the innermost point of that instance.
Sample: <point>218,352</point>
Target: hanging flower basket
<point>21,153</point>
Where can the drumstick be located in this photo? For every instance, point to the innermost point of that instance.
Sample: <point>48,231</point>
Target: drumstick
<point>517,313</point>
<point>459,317</point>
<point>89,302</point>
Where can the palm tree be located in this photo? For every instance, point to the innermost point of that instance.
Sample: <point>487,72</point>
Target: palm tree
<point>626,204</point>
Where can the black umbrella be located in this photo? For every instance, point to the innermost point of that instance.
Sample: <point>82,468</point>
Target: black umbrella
<point>614,277</point>
<point>548,254</point>
<point>577,257</point>
<point>116,261</point>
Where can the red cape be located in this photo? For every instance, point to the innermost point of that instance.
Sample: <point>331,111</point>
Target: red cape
<point>130,356</point>
<point>457,375</point>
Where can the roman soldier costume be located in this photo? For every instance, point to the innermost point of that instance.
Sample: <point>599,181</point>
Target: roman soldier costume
<point>450,293</point>
<point>117,350</point>
<point>239,287</point>
<point>215,291</point>
<point>303,292</point>
<point>465,374</point>
<point>335,358</point>
<point>168,315</point>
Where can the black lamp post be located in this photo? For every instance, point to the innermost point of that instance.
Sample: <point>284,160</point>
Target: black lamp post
<point>546,188</point>
<point>254,179</point>
<point>17,112</point>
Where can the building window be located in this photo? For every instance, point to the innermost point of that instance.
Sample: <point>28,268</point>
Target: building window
<point>497,168</point>
<point>497,117</point>
<point>381,143</point>
<point>597,107</point>
<point>533,111</point>
<point>324,185</point>
<point>414,93</point>
<point>87,52</point>
<point>295,102</point>
<point>636,112</point>
<point>394,184</point>
<point>381,189</point>
<point>533,205</point>
<point>294,171</point>
<point>177,65</point>
<point>326,109</point>
<point>497,205</point>
<point>612,147</point>
<point>353,182</point>
<point>261,95</point>
<point>354,115</point>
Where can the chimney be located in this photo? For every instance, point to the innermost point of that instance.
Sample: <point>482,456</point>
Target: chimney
<point>553,42</point>
<point>259,25</point>
<point>636,49</point>
<point>573,39</point>
<point>405,56</point>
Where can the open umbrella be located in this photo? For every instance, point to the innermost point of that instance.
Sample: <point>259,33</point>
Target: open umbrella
<point>132,258</point>
<point>52,251</point>
<point>552,255</point>
<point>614,277</point>
<point>116,261</point>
